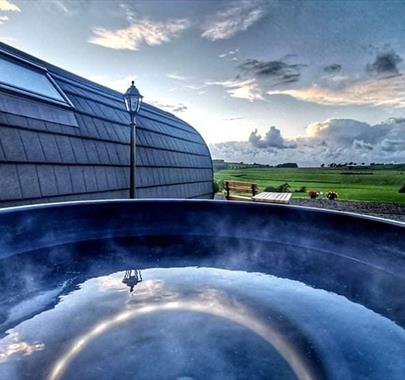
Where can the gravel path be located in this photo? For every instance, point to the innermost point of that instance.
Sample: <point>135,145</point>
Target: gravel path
<point>393,211</point>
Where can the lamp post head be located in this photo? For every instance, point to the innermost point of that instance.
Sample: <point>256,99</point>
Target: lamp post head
<point>133,100</point>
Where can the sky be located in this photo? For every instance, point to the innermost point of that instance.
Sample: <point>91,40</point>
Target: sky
<point>262,80</point>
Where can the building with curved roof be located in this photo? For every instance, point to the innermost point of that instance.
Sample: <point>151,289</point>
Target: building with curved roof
<point>63,137</point>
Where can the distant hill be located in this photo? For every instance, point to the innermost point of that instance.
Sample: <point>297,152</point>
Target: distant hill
<point>224,165</point>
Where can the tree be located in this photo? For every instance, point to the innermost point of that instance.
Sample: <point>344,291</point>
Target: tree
<point>288,165</point>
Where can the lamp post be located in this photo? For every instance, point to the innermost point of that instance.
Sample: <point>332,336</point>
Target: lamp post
<point>133,102</point>
<point>132,278</point>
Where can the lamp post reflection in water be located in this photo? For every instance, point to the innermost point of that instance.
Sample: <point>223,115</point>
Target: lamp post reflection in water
<point>132,278</point>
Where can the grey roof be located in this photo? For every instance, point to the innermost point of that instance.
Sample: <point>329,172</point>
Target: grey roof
<point>50,153</point>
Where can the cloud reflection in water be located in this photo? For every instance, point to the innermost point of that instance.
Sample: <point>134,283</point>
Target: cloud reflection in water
<point>209,302</point>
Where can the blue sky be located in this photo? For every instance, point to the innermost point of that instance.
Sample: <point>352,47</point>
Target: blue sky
<point>234,69</point>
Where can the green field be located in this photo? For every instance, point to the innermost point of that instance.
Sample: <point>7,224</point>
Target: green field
<point>362,184</point>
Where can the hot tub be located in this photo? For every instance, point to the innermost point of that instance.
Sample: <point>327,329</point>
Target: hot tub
<point>175,289</point>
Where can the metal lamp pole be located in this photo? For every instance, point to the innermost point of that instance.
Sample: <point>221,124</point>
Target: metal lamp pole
<point>133,102</point>
<point>132,185</point>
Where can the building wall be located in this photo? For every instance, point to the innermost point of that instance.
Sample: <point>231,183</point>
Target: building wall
<point>51,154</point>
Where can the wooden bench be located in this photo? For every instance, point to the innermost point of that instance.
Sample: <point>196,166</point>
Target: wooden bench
<point>269,197</point>
<point>248,187</point>
<point>239,187</point>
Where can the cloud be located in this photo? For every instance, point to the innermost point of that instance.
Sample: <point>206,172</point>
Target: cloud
<point>61,5</point>
<point>278,71</point>
<point>334,140</point>
<point>13,346</point>
<point>233,118</point>
<point>361,145</point>
<point>176,77</point>
<point>8,6</point>
<point>256,78</point>
<point>385,88</point>
<point>228,53</point>
<point>176,108</point>
<point>91,8</point>
<point>386,62</point>
<point>272,139</point>
<point>333,68</point>
<point>344,131</point>
<point>179,108</point>
<point>142,32</point>
<point>237,17</point>
<point>243,89</point>
<point>380,92</point>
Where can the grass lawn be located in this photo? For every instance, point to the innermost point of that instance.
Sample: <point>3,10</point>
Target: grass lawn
<point>373,185</point>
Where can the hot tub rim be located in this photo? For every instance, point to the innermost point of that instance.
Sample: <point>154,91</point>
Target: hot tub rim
<point>248,204</point>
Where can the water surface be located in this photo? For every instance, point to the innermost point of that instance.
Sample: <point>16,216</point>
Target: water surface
<point>150,316</point>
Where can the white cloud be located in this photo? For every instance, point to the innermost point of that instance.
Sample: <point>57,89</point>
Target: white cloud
<point>334,140</point>
<point>69,8</point>
<point>238,17</point>
<point>143,32</point>
<point>272,139</point>
<point>228,52</point>
<point>243,89</point>
<point>8,6</point>
<point>387,92</point>
<point>255,78</point>
<point>3,18</point>
<point>169,107</point>
<point>13,346</point>
<point>176,77</point>
<point>195,86</point>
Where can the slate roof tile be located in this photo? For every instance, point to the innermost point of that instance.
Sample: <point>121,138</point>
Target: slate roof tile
<point>102,181</point>
<point>79,150</point>
<point>32,146</point>
<point>28,177</point>
<point>91,150</point>
<point>65,149</point>
<point>111,177</point>
<point>89,178</point>
<point>49,147</point>
<point>63,180</point>
<point>9,184</point>
<point>76,175</point>
<point>12,144</point>
<point>47,180</point>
